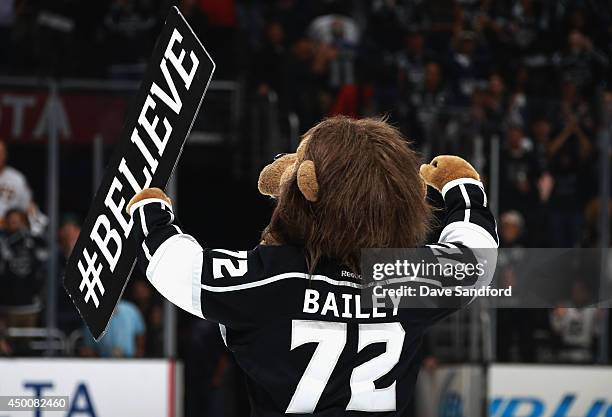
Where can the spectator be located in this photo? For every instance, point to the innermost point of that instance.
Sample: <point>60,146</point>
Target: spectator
<point>511,229</point>
<point>68,318</point>
<point>293,15</point>
<point>203,396</point>
<point>353,100</point>
<point>14,189</point>
<point>269,70</point>
<point>370,92</point>
<point>338,38</point>
<point>434,91</point>
<point>581,61</point>
<point>465,69</point>
<point>496,104</point>
<point>538,230</point>
<point>574,105</point>
<point>576,325</point>
<point>68,234</point>
<point>305,86</point>
<point>515,342</point>
<point>568,154</point>
<point>411,62</point>
<point>541,131</point>
<point>221,35</point>
<point>387,21</point>
<point>22,259</point>
<point>518,172</point>
<point>427,101</point>
<point>459,130</point>
<point>151,309</point>
<point>592,228</point>
<point>124,338</point>
<point>527,27</point>
<point>333,28</point>
<point>441,19</point>
<point>496,95</point>
<point>539,233</point>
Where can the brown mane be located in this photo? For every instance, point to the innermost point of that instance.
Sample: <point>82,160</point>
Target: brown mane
<point>370,194</point>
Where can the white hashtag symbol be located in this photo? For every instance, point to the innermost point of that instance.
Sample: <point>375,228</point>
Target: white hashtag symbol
<point>91,283</point>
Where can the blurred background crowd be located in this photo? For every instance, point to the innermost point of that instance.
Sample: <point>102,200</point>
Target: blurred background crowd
<point>522,88</point>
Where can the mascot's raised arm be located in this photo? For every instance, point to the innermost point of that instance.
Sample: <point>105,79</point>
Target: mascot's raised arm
<point>290,309</point>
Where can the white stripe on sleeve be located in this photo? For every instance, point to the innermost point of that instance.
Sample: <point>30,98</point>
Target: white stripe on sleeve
<point>175,271</point>
<point>466,198</point>
<point>469,234</point>
<point>458,181</point>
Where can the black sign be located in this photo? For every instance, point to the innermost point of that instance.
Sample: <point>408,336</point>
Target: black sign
<point>150,145</point>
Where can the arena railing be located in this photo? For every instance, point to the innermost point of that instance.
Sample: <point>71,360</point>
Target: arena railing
<point>40,339</point>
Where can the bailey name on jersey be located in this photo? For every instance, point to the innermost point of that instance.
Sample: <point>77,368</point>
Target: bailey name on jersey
<point>345,305</point>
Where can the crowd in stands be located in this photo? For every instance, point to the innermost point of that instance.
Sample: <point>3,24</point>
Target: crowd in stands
<point>455,76</point>
<point>452,74</point>
<point>22,252</point>
<point>135,330</point>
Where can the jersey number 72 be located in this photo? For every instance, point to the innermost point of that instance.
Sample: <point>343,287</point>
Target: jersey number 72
<point>331,339</point>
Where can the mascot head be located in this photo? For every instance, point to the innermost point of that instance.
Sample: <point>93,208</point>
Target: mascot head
<point>352,184</point>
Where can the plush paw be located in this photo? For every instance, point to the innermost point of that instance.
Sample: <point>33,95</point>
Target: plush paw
<point>445,168</point>
<point>146,194</point>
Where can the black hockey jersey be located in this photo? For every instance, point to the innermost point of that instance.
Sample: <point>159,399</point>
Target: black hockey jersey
<point>305,341</point>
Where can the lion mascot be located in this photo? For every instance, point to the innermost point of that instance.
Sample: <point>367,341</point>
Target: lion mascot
<point>291,309</point>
